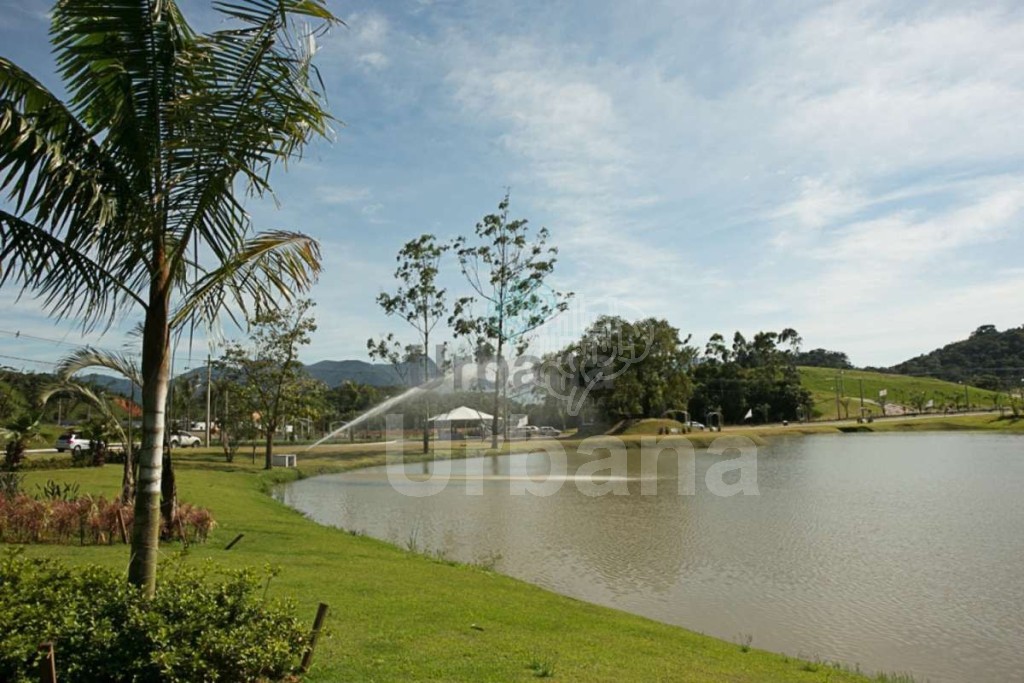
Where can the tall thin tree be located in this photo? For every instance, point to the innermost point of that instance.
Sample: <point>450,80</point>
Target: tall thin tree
<point>418,300</point>
<point>506,268</point>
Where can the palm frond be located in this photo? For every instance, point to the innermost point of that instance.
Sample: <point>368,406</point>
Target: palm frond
<point>88,357</point>
<point>49,160</point>
<point>48,391</point>
<point>117,59</point>
<point>256,105</point>
<point>271,266</point>
<point>70,282</point>
<point>69,197</point>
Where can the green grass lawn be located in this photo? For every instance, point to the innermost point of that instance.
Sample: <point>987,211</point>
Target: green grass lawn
<point>400,616</point>
<point>902,388</point>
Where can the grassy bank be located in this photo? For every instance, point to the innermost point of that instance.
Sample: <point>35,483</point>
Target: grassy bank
<point>400,616</point>
<point>977,422</point>
<point>938,423</point>
<point>902,389</point>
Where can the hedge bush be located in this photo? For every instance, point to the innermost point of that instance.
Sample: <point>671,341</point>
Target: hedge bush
<point>87,521</point>
<point>202,625</point>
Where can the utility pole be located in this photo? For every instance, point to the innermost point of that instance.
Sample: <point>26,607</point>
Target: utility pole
<point>224,419</point>
<point>967,399</point>
<point>862,397</point>
<point>209,379</point>
<point>838,417</point>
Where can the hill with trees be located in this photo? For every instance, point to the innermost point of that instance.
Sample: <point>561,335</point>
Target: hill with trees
<point>988,358</point>
<point>823,358</point>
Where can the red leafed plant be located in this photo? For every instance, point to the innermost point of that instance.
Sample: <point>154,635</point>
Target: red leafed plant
<point>86,520</point>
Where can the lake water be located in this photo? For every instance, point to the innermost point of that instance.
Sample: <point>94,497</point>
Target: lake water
<point>897,552</point>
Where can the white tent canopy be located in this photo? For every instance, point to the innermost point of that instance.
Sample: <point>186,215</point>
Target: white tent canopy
<point>462,414</point>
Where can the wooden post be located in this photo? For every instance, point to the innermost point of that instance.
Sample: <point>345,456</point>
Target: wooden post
<point>48,664</point>
<point>318,622</point>
<point>231,545</point>
<point>121,526</point>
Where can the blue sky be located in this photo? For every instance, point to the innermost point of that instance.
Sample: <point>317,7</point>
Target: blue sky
<point>849,169</point>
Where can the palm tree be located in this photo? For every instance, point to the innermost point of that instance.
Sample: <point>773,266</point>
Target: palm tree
<point>85,358</point>
<point>21,431</point>
<point>125,195</point>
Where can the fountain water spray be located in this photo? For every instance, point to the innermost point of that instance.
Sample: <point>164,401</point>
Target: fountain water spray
<point>384,407</point>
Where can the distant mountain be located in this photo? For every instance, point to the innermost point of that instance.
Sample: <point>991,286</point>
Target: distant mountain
<point>335,372</point>
<point>988,358</point>
<point>330,372</point>
<point>114,385</point>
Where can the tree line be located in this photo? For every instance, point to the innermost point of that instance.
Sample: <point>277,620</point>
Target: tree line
<point>622,369</point>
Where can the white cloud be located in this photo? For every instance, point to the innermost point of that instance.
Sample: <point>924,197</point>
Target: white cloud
<point>375,60</point>
<point>369,30</point>
<point>857,89</point>
<point>563,124</point>
<point>818,204</point>
<point>342,194</point>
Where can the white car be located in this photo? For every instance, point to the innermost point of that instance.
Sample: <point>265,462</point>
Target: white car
<point>549,431</point>
<point>184,440</point>
<point>71,441</point>
<point>695,425</point>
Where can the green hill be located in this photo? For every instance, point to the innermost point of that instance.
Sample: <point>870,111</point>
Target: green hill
<point>988,358</point>
<point>911,392</point>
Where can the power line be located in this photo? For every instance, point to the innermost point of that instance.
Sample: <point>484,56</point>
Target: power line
<point>28,360</point>
<point>18,334</point>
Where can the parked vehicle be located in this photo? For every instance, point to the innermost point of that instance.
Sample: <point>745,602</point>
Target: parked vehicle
<point>549,431</point>
<point>184,440</point>
<point>695,425</point>
<point>524,432</point>
<point>71,441</point>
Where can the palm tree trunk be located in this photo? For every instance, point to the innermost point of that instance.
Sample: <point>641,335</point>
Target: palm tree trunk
<point>168,497</point>
<point>156,379</point>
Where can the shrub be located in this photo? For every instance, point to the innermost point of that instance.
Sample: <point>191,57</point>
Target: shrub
<point>57,491</point>
<point>81,458</point>
<point>202,625</point>
<point>54,462</point>
<point>59,515</point>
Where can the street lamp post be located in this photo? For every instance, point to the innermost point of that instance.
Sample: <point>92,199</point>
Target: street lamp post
<point>209,394</point>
